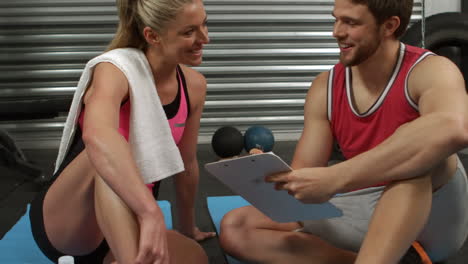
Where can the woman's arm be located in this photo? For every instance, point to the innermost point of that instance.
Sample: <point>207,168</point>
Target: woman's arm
<point>108,150</point>
<point>186,183</point>
<point>112,159</point>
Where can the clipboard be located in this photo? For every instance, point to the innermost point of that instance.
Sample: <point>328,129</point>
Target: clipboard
<point>245,176</point>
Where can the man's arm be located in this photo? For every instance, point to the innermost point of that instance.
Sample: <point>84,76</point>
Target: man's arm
<point>418,146</point>
<point>313,149</point>
<point>315,145</point>
<point>404,207</point>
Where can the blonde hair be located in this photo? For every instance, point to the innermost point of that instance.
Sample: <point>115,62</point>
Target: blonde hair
<point>135,15</point>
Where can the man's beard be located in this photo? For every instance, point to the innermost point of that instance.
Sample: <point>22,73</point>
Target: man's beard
<point>362,53</point>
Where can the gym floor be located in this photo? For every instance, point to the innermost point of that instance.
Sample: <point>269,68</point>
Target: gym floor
<point>17,190</point>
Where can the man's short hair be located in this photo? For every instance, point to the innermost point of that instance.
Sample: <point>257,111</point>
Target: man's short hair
<point>384,9</point>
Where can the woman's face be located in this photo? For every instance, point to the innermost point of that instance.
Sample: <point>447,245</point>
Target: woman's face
<point>186,35</point>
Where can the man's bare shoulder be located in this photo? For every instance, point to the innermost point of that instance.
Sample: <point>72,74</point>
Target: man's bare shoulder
<point>435,67</point>
<point>321,79</point>
<point>319,85</point>
<point>435,75</point>
<point>434,72</point>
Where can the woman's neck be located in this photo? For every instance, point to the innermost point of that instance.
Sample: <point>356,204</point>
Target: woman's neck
<point>162,69</point>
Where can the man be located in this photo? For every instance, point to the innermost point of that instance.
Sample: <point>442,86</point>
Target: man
<point>399,114</point>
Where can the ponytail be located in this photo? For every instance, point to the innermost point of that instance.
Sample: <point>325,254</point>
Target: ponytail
<point>134,15</point>
<point>129,33</point>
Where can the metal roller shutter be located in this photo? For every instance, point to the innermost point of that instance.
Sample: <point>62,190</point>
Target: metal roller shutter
<point>261,60</point>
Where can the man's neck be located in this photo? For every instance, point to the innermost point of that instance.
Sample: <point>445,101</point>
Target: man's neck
<point>376,70</point>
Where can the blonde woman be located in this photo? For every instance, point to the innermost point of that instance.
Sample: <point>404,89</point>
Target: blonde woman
<point>98,208</point>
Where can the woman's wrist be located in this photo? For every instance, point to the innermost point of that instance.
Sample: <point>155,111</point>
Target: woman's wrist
<point>149,207</point>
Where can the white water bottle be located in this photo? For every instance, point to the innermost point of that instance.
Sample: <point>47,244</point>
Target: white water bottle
<point>66,260</point>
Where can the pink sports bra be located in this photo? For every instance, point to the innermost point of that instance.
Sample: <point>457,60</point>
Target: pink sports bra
<point>176,112</point>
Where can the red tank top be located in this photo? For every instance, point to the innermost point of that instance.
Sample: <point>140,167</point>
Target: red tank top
<point>358,132</point>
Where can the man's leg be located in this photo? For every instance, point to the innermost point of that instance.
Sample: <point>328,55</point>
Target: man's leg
<point>447,227</point>
<point>249,235</point>
<point>401,214</point>
<point>398,218</point>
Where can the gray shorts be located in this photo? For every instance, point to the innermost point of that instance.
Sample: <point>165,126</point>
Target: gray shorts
<point>443,235</point>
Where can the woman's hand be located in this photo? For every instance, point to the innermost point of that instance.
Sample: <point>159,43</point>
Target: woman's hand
<point>153,248</point>
<point>198,235</point>
<point>308,185</point>
<point>194,233</point>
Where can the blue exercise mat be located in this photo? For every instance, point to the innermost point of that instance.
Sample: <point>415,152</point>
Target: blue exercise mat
<point>18,245</point>
<point>218,206</point>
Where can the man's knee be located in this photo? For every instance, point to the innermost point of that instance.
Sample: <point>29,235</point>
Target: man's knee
<point>233,227</point>
<point>238,219</point>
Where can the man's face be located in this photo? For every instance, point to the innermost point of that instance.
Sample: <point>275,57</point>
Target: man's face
<point>356,32</point>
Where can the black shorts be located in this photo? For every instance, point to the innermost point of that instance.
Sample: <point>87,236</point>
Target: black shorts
<point>37,219</point>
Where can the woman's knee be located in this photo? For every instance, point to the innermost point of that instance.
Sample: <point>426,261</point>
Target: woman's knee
<point>185,250</point>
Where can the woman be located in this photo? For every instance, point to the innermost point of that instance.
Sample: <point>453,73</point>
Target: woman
<point>98,199</point>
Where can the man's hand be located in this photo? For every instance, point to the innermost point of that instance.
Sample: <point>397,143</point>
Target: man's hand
<point>255,151</point>
<point>308,185</point>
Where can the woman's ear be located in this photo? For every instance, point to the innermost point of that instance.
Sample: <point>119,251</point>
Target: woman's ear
<point>151,36</point>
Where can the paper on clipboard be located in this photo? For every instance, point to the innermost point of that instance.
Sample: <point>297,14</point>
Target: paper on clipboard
<point>245,176</point>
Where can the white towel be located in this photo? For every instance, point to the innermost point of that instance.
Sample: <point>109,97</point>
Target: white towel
<point>150,138</point>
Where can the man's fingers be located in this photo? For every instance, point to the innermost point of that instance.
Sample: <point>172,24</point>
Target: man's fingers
<point>279,186</point>
<point>278,177</point>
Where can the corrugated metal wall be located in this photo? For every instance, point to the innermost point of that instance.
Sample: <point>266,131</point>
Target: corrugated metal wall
<point>260,62</point>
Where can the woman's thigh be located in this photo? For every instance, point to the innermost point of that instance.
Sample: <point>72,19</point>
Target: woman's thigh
<point>184,250</point>
<point>68,209</point>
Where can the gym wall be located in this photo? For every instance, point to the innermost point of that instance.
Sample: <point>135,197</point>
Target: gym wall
<point>261,60</point>
<point>437,6</point>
